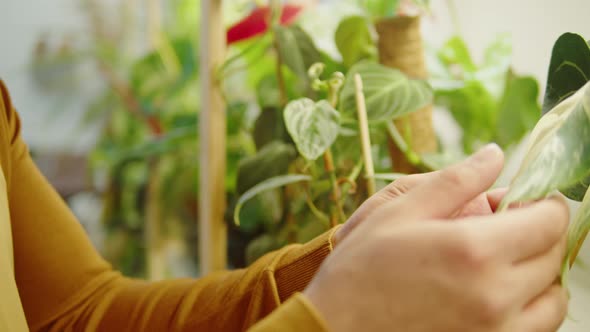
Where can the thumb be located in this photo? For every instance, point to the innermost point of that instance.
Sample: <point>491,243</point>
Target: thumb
<point>451,188</point>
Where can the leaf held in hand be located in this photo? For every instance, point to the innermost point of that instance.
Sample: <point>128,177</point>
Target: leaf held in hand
<point>388,92</point>
<point>558,156</point>
<point>313,126</point>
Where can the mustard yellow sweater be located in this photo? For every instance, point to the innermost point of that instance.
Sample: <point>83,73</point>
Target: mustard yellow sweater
<point>52,279</point>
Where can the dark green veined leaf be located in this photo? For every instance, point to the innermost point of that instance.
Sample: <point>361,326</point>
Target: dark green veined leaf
<point>519,110</point>
<point>297,50</point>
<point>354,40</point>
<point>269,127</point>
<point>262,212</point>
<point>569,69</point>
<point>270,161</point>
<point>558,156</point>
<point>313,126</point>
<point>272,183</point>
<point>389,93</point>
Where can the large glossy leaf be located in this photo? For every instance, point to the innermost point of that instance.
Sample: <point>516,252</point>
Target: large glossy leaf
<point>297,49</point>
<point>354,40</point>
<point>389,93</point>
<point>558,155</point>
<point>272,160</point>
<point>569,69</point>
<point>313,126</point>
<point>269,184</point>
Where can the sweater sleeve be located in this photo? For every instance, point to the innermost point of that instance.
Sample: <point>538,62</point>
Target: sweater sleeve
<point>65,285</point>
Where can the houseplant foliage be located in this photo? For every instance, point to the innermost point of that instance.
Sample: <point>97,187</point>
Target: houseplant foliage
<point>295,158</point>
<point>308,101</point>
<point>558,153</point>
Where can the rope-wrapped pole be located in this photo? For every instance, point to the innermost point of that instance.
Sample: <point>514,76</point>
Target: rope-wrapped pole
<point>401,47</point>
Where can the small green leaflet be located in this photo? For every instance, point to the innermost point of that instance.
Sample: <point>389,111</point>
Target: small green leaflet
<point>265,185</point>
<point>313,126</point>
<point>354,40</point>
<point>388,92</point>
<point>569,69</point>
<point>558,155</point>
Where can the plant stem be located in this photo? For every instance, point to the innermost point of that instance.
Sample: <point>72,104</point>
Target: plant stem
<point>574,254</point>
<point>337,211</point>
<point>365,137</point>
<point>410,155</point>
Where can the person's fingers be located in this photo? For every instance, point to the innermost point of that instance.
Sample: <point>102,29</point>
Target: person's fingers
<point>521,234</point>
<point>388,194</point>
<point>545,314</point>
<point>495,197</point>
<point>536,274</point>
<point>450,189</point>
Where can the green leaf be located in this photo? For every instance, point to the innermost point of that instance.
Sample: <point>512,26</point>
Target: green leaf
<point>272,160</point>
<point>389,93</point>
<point>558,155</point>
<point>269,184</point>
<point>354,40</point>
<point>269,127</point>
<point>297,50</point>
<point>577,231</point>
<point>519,110</point>
<point>382,8</point>
<point>313,126</point>
<point>473,107</point>
<point>569,69</point>
<point>455,52</point>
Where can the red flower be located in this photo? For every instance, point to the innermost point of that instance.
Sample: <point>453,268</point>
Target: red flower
<point>257,22</point>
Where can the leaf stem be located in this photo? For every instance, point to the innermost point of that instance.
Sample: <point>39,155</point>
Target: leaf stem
<point>412,157</point>
<point>364,134</point>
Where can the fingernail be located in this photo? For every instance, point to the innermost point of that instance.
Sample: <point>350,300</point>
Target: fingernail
<point>486,154</point>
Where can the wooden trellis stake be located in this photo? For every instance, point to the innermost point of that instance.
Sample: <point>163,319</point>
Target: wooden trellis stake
<point>212,201</point>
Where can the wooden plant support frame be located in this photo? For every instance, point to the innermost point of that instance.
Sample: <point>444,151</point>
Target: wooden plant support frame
<point>401,47</point>
<point>212,131</point>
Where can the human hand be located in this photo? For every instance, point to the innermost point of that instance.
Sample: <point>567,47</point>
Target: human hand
<point>482,204</point>
<point>405,269</point>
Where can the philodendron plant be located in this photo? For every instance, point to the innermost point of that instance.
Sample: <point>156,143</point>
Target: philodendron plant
<point>558,153</point>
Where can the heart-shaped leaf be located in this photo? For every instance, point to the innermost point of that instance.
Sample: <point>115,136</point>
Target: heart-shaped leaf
<point>313,126</point>
<point>558,155</point>
<point>569,69</point>
<point>388,92</point>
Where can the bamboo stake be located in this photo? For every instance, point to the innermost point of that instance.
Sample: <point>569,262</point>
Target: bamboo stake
<point>361,108</point>
<point>212,228</point>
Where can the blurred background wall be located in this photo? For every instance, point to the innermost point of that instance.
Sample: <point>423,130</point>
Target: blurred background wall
<point>52,126</point>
